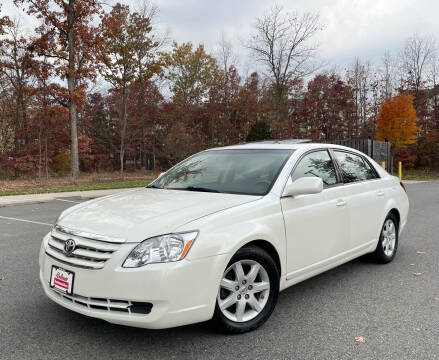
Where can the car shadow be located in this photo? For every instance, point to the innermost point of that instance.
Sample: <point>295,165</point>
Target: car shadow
<point>292,299</point>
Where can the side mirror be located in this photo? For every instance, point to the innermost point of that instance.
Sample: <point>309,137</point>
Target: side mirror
<point>304,186</point>
<point>160,175</point>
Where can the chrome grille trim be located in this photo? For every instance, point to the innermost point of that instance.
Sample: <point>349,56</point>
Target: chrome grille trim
<point>97,303</point>
<point>81,251</point>
<point>130,308</point>
<point>73,260</point>
<point>88,254</point>
<point>69,263</point>
<point>87,235</point>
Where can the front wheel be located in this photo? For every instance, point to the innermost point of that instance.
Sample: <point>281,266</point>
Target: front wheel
<point>248,291</point>
<point>388,242</point>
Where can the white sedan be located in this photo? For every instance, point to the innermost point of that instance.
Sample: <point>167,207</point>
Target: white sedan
<point>221,233</point>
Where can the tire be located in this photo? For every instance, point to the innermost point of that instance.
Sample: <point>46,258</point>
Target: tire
<point>388,242</point>
<point>244,301</point>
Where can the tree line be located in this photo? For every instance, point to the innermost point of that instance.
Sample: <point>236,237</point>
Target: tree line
<point>165,100</point>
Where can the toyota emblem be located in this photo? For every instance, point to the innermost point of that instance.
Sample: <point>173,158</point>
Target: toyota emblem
<point>69,247</point>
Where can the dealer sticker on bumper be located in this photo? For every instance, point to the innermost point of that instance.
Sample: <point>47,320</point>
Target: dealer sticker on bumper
<point>62,280</point>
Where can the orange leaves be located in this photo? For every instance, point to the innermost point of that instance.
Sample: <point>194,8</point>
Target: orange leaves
<point>397,121</point>
<point>360,339</point>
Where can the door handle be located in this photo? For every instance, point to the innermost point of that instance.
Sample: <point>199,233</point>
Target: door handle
<point>341,203</point>
<point>380,193</point>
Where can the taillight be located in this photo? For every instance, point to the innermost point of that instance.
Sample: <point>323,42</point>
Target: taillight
<point>402,185</point>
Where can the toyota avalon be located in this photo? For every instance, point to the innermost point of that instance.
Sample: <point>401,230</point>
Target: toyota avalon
<point>221,233</point>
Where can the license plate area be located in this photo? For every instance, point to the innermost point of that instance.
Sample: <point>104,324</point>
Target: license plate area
<point>62,280</point>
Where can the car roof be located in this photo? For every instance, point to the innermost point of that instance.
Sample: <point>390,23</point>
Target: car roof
<point>279,145</point>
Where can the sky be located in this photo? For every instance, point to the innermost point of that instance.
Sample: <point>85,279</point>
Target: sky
<point>352,28</point>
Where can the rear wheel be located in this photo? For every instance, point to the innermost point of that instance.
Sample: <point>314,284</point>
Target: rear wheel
<point>248,291</point>
<point>388,242</point>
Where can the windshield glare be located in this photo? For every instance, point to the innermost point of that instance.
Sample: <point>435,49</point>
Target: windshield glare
<point>250,172</point>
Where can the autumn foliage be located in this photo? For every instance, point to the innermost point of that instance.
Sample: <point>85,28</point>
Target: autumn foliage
<point>397,121</point>
<point>101,89</point>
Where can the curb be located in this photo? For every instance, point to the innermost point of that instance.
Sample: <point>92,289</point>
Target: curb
<point>47,197</point>
<point>415,181</point>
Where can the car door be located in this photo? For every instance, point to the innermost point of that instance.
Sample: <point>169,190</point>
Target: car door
<point>316,225</point>
<point>364,195</point>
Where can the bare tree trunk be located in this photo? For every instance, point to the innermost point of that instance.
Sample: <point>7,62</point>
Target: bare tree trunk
<point>143,115</point>
<point>40,160</point>
<point>279,103</point>
<point>46,155</point>
<point>71,82</point>
<point>123,119</point>
<point>16,137</point>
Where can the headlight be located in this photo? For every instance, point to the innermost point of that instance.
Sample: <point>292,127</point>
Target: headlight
<point>161,249</point>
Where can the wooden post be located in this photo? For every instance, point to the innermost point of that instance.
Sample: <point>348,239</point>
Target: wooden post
<point>400,170</point>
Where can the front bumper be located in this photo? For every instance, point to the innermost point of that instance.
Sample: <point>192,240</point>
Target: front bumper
<point>181,293</point>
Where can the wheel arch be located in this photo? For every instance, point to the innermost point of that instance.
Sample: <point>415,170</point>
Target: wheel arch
<point>269,248</point>
<point>394,211</point>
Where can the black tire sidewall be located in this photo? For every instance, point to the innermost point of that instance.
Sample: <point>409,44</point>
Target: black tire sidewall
<point>260,256</point>
<point>379,252</point>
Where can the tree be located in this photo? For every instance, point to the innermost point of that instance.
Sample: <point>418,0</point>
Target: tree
<point>45,109</point>
<point>259,131</point>
<point>147,44</point>
<point>418,53</point>
<point>15,64</point>
<point>4,21</point>
<point>327,110</point>
<point>358,78</point>
<point>387,75</point>
<point>281,42</point>
<point>68,36</point>
<point>397,122</point>
<point>126,56</point>
<point>190,73</point>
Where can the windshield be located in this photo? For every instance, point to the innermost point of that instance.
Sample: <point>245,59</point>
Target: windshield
<point>250,172</point>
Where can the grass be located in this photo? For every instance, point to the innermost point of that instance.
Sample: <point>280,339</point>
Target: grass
<point>81,187</point>
<point>420,174</point>
<point>83,183</point>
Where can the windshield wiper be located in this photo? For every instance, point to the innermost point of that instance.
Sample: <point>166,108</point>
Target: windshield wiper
<point>154,187</point>
<point>198,188</point>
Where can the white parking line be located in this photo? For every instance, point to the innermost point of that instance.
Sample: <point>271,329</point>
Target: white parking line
<point>24,220</point>
<point>71,201</point>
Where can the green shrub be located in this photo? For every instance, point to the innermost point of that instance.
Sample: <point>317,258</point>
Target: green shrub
<point>61,162</point>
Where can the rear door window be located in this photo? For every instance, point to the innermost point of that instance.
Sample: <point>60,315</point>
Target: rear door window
<point>316,164</point>
<point>354,167</point>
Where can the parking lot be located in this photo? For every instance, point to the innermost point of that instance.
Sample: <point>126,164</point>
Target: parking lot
<point>394,307</point>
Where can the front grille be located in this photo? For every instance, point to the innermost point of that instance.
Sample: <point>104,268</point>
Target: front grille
<point>124,306</point>
<point>89,253</point>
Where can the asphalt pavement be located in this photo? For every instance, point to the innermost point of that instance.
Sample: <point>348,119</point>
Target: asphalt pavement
<point>392,309</point>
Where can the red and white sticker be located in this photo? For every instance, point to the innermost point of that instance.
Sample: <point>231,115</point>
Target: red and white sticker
<point>62,280</point>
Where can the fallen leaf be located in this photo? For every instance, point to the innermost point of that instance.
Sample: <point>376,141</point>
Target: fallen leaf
<point>360,339</point>
<point>417,273</point>
<point>420,252</point>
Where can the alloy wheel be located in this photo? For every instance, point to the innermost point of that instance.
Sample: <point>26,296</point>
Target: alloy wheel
<point>389,237</point>
<point>244,290</point>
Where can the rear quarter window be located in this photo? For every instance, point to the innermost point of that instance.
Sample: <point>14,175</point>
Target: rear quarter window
<point>354,167</point>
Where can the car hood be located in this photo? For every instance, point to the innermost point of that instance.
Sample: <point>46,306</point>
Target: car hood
<point>143,213</point>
